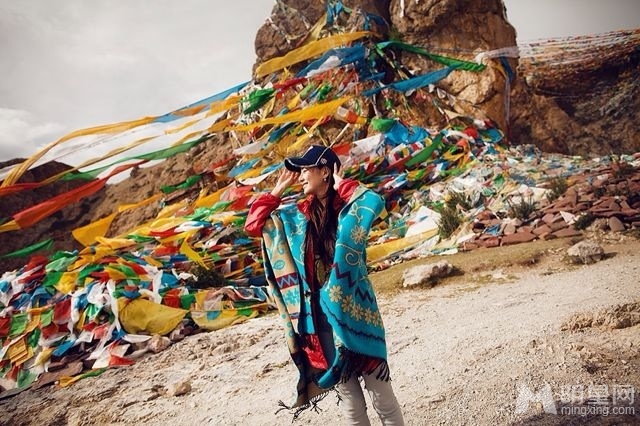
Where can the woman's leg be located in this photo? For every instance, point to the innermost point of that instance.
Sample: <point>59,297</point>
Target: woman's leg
<point>353,404</point>
<point>384,400</point>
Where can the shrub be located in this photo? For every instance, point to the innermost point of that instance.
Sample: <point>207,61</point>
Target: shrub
<point>523,209</point>
<point>557,187</point>
<point>450,220</point>
<point>459,199</point>
<point>206,278</point>
<point>583,221</point>
<point>600,191</point>
<point>622,169</point>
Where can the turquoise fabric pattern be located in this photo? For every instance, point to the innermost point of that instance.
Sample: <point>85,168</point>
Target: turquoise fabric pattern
<point>347,298</point>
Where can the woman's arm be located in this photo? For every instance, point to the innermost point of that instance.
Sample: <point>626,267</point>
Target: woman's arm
<point>265,204</point>
<point>259,211</point>
<point>344,187</point>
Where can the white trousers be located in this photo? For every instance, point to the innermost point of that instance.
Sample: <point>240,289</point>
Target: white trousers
<point>354,406</point>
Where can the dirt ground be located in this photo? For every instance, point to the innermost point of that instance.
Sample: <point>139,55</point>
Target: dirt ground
<point>462,351</point>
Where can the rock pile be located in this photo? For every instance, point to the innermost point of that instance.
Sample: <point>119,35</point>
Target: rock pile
<point>608,196</point>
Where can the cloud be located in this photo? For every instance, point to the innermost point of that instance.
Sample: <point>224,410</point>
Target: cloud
<point>82,65</point>
<point>22,133</point>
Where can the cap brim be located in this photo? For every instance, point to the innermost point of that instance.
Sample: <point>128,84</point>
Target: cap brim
<point>296,163</point>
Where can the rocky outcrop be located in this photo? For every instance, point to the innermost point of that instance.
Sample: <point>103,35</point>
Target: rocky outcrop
<point>456,28</point>
<point>579,95</point>
<point>461,29</point>
<point>576,96</point>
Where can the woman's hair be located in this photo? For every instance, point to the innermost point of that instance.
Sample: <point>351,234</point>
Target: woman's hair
<point>323,224</point>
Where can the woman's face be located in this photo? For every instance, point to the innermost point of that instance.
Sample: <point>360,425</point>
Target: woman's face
<point>314,180</point>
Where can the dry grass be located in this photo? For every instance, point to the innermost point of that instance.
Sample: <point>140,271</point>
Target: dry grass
<point>475,267</point>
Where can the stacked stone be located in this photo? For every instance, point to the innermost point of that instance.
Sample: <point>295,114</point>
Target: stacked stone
<point>610,193</point>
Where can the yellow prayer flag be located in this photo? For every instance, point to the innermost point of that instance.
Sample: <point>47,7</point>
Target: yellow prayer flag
<point>86,235</point>
<point>12,225</point>
<point>115,274</point>
<point>124,207</point>
<point>116,243</point>
<point>211,199</point>
<point>186,249</point>
<point>44,356</point>
<point>307,51</point>
<point>140,315</point>
<point>380,251</point>
<point>67,282</point>
<point>17,352</point>
<point>312,112</point>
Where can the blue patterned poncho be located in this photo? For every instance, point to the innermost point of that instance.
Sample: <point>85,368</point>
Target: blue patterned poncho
<point>347,298</point>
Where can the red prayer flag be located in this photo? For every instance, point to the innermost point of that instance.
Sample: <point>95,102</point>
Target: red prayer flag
<point>119,361</point>
<point>62,311</point>
<point>5,326</point>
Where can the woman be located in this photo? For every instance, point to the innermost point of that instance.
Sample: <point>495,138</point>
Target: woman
<point>315,263</point>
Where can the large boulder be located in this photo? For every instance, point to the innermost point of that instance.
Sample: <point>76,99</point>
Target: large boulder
<point>579,95</point>
<point>462,29</point>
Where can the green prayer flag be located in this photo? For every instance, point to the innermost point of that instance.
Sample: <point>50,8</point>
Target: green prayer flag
<point>18,324</point>
<point>91,311</point>
<point>25,378</point>
<point>425,153</point>
<point>140,238</point>
<point>50,280</point>
<point>220,206</point>
<point>457,63</point>
<point>46,317</point>
<point>186,300</point>
<point>33,338</point>
<point>324,91</point>
<point>258,98</point>
<point>42,245</point>
<point>308,89</point>
<point>382,125</point>
<point>61,263</point>
<point>86,271</point>
<point>93,373</point>
<point>189,182</point>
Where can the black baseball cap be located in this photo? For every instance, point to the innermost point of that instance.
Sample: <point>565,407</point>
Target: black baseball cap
<point>315,156</point>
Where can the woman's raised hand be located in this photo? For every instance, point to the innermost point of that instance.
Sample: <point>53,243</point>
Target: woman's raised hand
<point>285,180</point>
<point>337,176</point>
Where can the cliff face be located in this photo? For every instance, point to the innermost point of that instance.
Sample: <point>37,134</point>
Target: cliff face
<point>579,95</point>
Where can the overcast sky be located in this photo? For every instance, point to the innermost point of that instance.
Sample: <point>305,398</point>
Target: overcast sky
<point>71,64</point>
